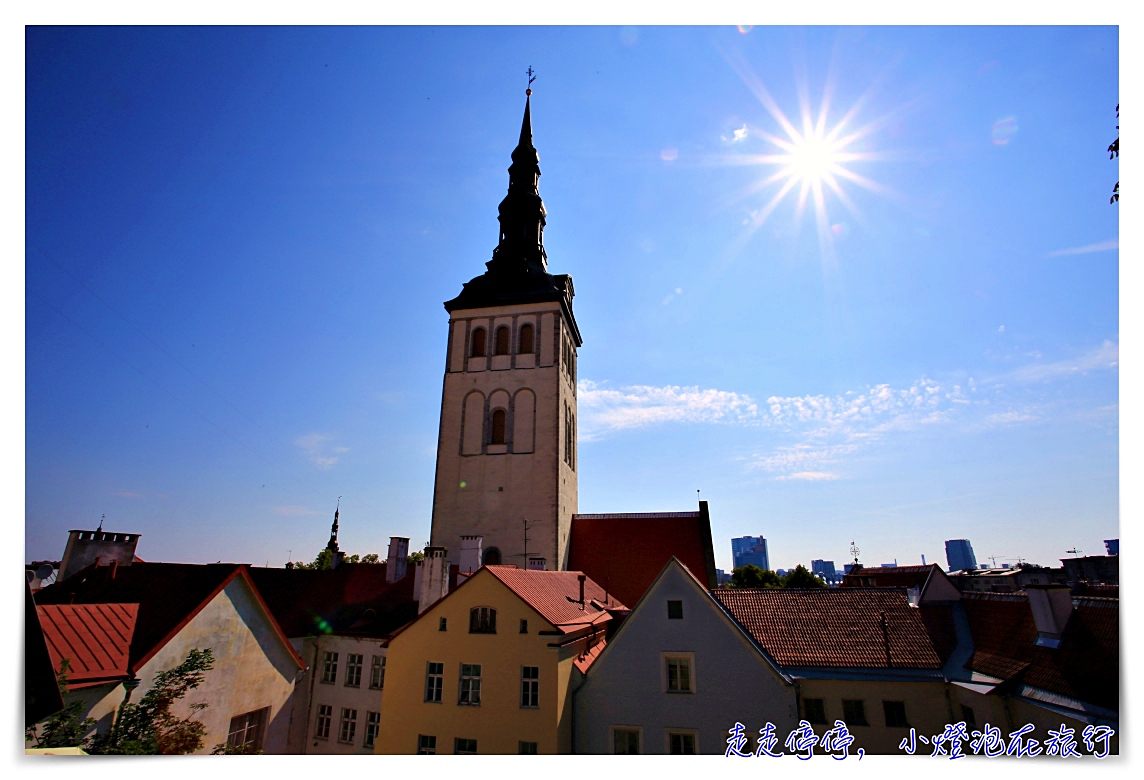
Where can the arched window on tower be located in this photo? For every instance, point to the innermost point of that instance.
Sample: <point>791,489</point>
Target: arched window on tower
<point>492,557</point>
<point>479,342</point>
<point>498,427</point>
<point>502,340</point>
<point>526,339</point>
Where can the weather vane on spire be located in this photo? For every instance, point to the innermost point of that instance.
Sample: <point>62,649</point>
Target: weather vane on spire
<point>531,78</point>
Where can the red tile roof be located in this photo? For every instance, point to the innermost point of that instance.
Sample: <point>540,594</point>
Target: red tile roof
<point>96,638</point>
<point>835,627</point>
<point>1086,666</point>
<point>625,552</point>
<point>896,577</point>
<point>556,595</point>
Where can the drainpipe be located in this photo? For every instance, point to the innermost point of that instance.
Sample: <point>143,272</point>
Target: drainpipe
<point>129,685</point>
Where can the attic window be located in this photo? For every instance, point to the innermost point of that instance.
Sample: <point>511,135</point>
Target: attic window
<point>675,610</point>
<point>482,620</point>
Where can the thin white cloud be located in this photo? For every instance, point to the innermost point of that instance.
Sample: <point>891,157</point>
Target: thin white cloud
<point>1102,246</point>
<point>293,511</point>
<point>810,476</point>
<point>604,410</point>
<point>740,133</point>
<point>1104,357</point>
<point>314,445</point>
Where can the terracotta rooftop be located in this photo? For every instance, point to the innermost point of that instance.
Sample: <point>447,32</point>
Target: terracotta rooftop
<point>353,599</point>
<point>625,551</point>
<point>556,595</point>
<point>896,577</point>
<point>95,638</point>
<point>834,627</point>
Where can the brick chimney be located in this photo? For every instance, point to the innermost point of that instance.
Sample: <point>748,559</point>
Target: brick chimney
<point>434,578</point>
<point>1052,607</point>
<point>470,553</point>
<point>397,558</point>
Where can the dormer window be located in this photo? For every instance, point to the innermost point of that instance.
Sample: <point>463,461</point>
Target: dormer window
<point>499,418</point>
<point>502,340</point>
<point>479,342</point>
<point>525,339</point>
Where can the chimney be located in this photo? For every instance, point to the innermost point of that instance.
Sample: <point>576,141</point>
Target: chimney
<point>418,573</point>
<point>87,547</point>
<point>470,553</point>
<point>1052,608</point>
<point>581,578</point>
<point>397,559</point>
<point>537,563</point>
<point>434,578</point>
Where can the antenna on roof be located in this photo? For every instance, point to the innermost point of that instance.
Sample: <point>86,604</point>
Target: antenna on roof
<point>854,550</point>
<point>101,519</point>
<point>1075,551</point>
<point>697,494</point>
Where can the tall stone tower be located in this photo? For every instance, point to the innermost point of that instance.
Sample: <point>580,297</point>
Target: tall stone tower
<point>506,451</point>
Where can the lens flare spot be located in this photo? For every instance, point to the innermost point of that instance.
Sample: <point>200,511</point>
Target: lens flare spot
<point>464,484</point>
<point>669,155</point>
<point>745,28</point>
<point>840,229</point>
<point>1004,130</point>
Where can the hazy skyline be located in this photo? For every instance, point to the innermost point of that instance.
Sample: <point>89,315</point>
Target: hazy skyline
<point>239,240</point>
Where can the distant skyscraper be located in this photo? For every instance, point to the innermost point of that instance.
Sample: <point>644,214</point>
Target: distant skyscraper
<point>750,549</point>
<point>959,555</point>
<point>1112,546</point>
<point>825,569</point>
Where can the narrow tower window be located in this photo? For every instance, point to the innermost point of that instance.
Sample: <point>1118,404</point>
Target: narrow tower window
<point>479,342</point>
<point>526,339</point>
<point>498,427</point>
<point>502,341</point>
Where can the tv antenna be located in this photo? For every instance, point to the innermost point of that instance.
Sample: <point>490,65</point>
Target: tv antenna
<point>1075,551</point>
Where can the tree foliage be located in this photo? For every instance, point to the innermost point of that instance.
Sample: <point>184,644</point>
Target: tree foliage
<point>751,576</point>
<point>325,560</point>
<point>1113,153</point>
<point>66,728</point>
<point>800,577</point>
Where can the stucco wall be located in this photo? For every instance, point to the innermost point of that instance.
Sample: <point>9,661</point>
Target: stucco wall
<point>312,692</point>
<point>625,687</point>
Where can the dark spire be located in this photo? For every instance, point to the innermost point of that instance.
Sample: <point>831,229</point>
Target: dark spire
<point>332,546</point>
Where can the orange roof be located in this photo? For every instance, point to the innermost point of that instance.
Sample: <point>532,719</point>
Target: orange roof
<point>556,595</point>
<point>834,627</point>
<point>96,638</point>
<point>891,577</point>
<point>626,551</point>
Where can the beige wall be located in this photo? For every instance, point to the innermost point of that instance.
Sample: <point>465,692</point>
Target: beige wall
<point>525,479</point>
<point>499,723</point>
<point>312,692</point>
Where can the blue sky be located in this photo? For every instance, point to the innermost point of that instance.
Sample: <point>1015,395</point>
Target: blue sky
<point>239,239</point>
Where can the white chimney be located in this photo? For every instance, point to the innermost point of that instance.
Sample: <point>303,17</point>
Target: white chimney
<point>397,558</point>
<point>1052,608</point>
<point>434,578</point>
<point>470,553</point>
<point>537,563</point>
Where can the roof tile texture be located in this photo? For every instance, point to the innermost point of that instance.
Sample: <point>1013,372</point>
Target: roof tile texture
<point>556,595</point>
<point>96,638</point>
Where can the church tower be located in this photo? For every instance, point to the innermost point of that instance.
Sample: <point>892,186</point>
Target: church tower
<point>506,450</point>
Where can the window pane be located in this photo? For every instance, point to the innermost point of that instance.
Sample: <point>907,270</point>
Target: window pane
<point>525,339</point>
<point>895,713</point>
<point>675,610</point>
<point>478,342</point>
<point>814,710</point>
<point>626,742</point>
<point>528,748</point>
<point>854,712</point>
<point>426,745</point>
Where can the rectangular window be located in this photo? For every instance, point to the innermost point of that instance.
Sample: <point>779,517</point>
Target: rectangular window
<point>464,747</point>
<point>675,610</point>
<point>528,748</point>
<point>330,668</point>
<point>530,686</point>
<point>814,710</point>
<point>377,673</point>
<point>348,729</point>
<point>443,625</point>
<point>968,716</point>
<point>470,692</point>
<point>434,682</point>
<point>426,746</point>
<point>523,626</point>
<point>854,712</point>
<point>625,741</point>
<point>325,715</point>
<point>681,744</point>
<point>895,713</point>
<point>482,620</point>
<point>353,670</point>
<point>679,675</point>
<point>372,728</point>
<point>246,730</point>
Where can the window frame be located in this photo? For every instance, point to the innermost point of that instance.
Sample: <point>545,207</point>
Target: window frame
<point>520,350</point>
<point>484,342</point>
<point>507,331</point>
<point>426,745</point>
<point>434,671</point>
<point>638,730</point>
<point>482,620</point>
<point>905,724</point>
<point>665,660</point>
<point>377,673</point>
<point>324,721</point>
<point>469,695</point>
<point>806,714</point>
<point>682,733</point>
<point>529,688</point>
<point>457,746</point>
<point>259,728</point>
<point>862,706</point>
<point>353,669</point>
<point>330,667</point>
<point>372,729</point>
<point>347,720</point>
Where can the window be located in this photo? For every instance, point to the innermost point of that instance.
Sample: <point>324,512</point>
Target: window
<point>854,712</point>
<point>434,682</point>
<point>625,741</point>
<point>681,743</point>
<point>482,620</point>
<point>372,728</point>
<point>492,557</point>
<point>246,730</point>
<point>523,626</point>
<point>330,668</point>
<point>528,748</point>
<point>464,746</point>
<point>377,673</point>
<point>502,341</point>
<point>499,419</point>
<point>968,716</point>
<point>478,342</point>
<point>530,686</point>
<point>679,675</point>
<point>426,746</point>
<point>814,710</point>
<point>325,715</point>
<point>443,625</point>
<point>349,725</point>
<point>525,340</point>
<point>353,670</point>
<point>470,692</point>
<point>675,610</point>
<point>895,713</point>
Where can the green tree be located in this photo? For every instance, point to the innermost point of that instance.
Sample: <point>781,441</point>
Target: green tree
<point>1113,153</point>
<point>799,577</point>
<point>324,560</point>
<point>66,728</point>
<point>416,557</point>
<point>149,728</point>
<point>751,576</point>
